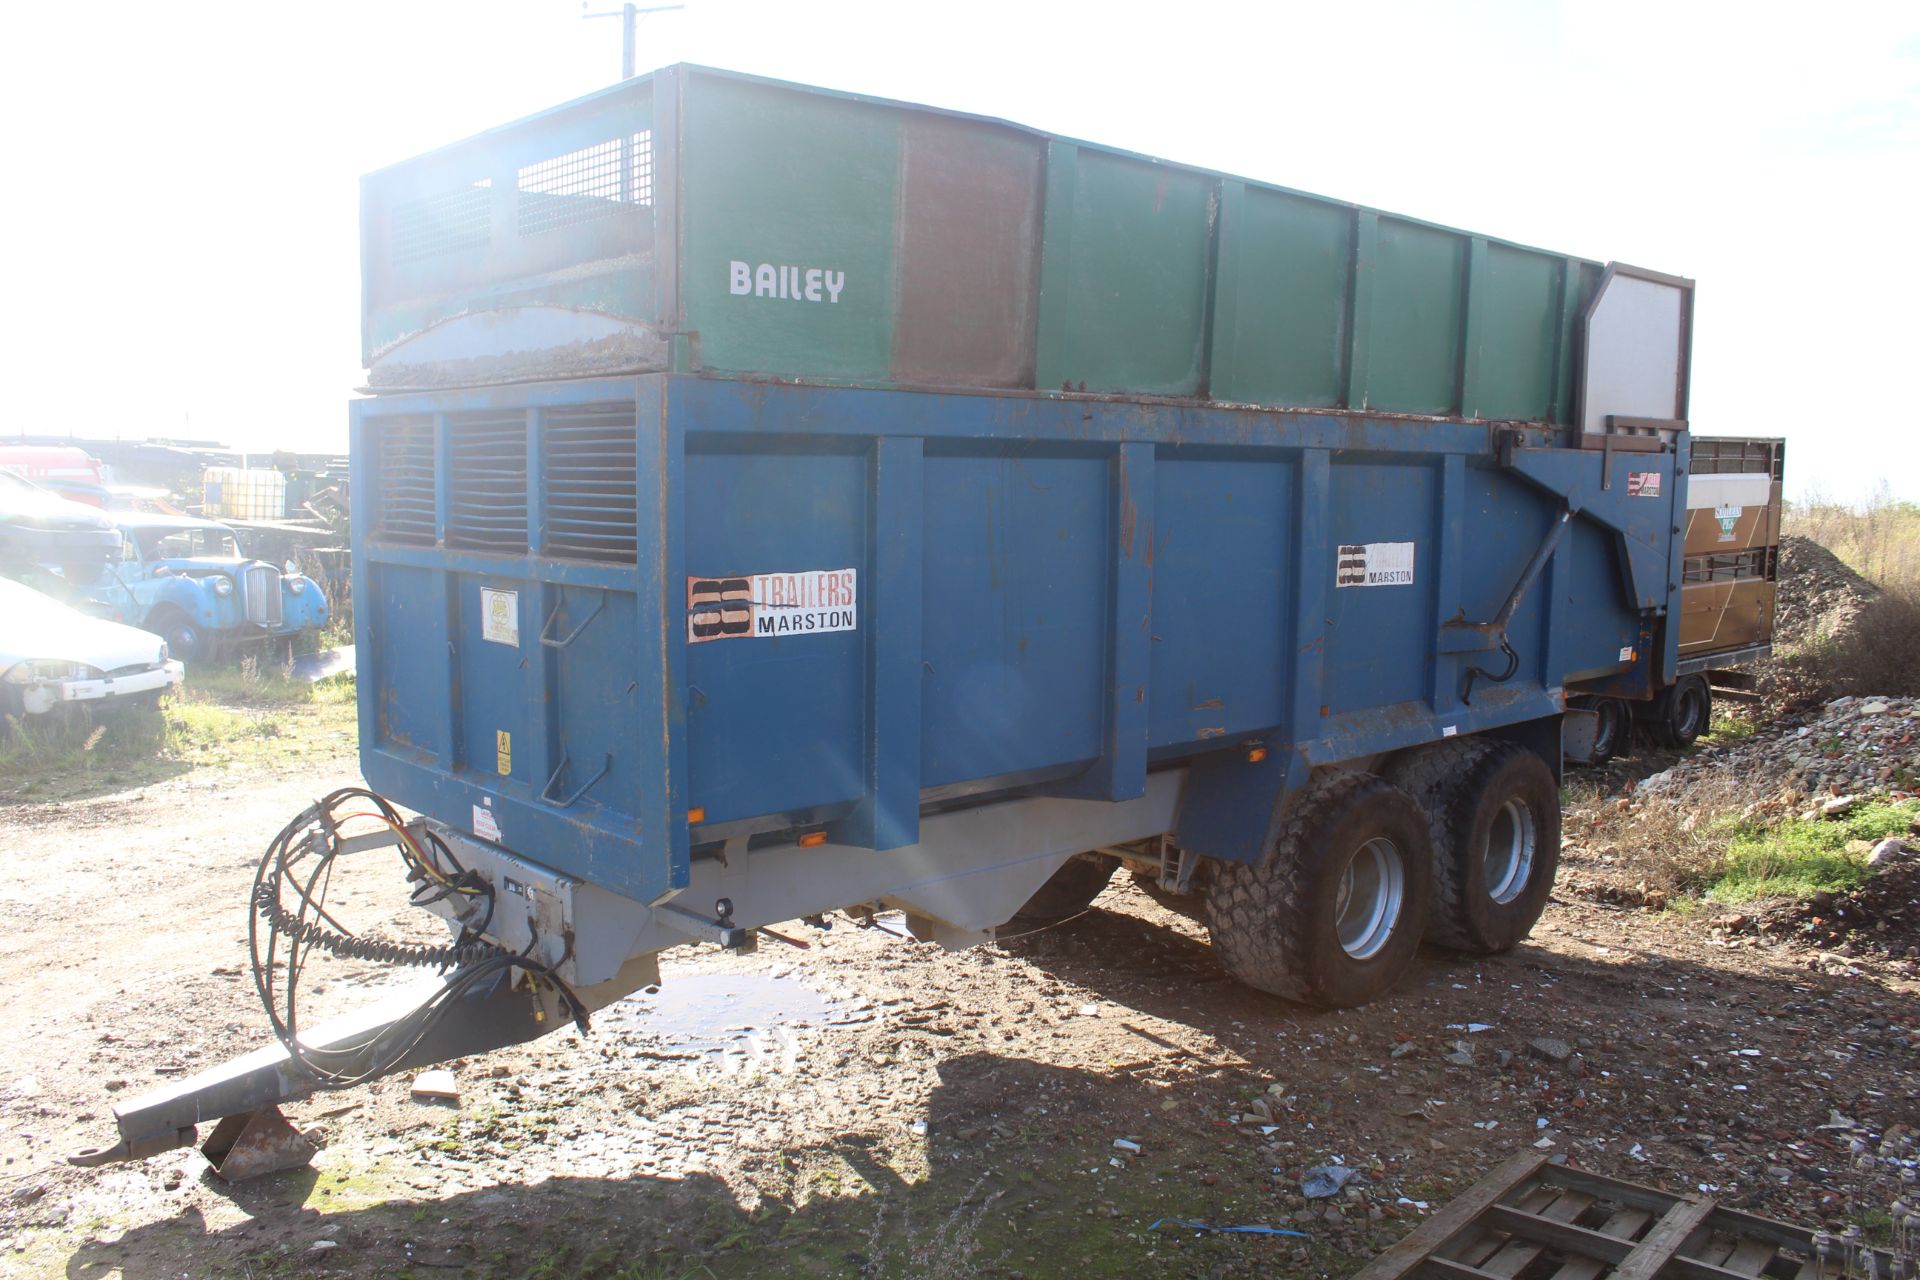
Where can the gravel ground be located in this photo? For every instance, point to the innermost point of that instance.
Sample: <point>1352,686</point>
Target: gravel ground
<point>885,1109</point>
<point>1848,746</point>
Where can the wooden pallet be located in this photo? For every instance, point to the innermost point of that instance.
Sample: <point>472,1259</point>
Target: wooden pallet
<point>1530,1220</point>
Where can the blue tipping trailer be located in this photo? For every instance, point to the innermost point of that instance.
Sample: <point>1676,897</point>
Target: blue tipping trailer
<point>1045,596</point>
<point>790,649</point>
<point>670,654</point>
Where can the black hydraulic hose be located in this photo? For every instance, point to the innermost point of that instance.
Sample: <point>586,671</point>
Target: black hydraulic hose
<point>1513,667</point>
<point>287,906</point>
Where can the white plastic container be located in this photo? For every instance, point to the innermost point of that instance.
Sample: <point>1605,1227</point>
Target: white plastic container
<point>244,493</point>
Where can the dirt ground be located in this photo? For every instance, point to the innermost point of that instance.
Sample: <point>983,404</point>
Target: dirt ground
<point>891,1110</point>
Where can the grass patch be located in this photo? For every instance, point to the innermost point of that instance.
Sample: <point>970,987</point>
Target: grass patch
<point>1731,839</point>
<point>1795,858</point>
<point>237,715</point>
<point>1729,726</point>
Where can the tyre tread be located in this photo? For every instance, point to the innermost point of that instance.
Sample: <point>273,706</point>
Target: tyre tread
<point>1251,905</point>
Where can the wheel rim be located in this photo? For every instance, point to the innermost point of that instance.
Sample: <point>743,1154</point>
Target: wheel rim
<point>1508,860</point>
<point>1372,889</point>
<point>1606,732</point>
<point>1689,717</point>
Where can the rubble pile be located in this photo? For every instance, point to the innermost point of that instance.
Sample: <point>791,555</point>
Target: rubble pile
<point>1819,596</point>
<point>1881,916</point>
<point>1850,746</point>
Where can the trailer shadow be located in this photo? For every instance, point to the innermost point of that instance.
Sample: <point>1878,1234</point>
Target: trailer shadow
<point>1018,1175</point>
<point>1147,951</point>
<point>1017,1171</point>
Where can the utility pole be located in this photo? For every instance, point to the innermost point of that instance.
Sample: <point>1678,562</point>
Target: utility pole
<point>629,15</point>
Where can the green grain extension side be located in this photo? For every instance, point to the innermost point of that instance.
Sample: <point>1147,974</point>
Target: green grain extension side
<point>701,221</point>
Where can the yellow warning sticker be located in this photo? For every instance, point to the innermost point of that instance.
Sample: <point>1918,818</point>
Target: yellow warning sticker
<point>503,752</point>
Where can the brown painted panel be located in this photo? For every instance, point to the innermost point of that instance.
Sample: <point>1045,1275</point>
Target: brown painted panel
<point>969,257</point>
<point>1725,615</point>
<point>1753,527</point>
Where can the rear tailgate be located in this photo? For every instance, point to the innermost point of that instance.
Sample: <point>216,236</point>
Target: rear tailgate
<point>1732,549</point>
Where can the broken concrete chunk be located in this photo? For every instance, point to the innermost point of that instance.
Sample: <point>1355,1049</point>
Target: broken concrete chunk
<point>436,1086</point>
<point>1550,1049</point>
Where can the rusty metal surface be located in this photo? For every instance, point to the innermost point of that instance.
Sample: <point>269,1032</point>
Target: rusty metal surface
<point>1725,615</point>
<point>256,1143</point>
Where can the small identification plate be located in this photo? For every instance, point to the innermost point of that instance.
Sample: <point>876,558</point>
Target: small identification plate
<point>500,616</point>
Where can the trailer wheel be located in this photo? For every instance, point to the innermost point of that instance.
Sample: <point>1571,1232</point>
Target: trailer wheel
<point>1682,713</point>
<point>1070,891</point>
<point>1494,811</point>
<point>1333,913</point>
<point>1611,732</point>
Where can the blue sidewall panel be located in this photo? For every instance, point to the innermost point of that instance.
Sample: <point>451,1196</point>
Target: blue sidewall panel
<point>1053,595</point>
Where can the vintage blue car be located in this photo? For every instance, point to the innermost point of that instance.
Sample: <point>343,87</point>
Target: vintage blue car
<point>184,579</point>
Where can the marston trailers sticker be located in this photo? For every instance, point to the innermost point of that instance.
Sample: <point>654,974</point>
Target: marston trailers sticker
<point>1643,484</point>
<point>769,605</point>
<point>1374,564</point>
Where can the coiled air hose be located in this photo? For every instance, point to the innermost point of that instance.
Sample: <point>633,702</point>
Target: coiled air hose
<point>287,921</point>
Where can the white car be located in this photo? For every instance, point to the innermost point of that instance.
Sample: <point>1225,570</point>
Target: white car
<point>52,655</point>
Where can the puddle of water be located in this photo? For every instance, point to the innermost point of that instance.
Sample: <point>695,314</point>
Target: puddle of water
<point>716,1015</point>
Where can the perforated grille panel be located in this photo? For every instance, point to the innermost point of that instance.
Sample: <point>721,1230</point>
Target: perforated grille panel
<point>487,482</point>
<point>404,512</point>
<point>261,592</point>
<point>437,225</point>
<point>590,481</point>
<point>587,184</point>
<point>1731,566</point>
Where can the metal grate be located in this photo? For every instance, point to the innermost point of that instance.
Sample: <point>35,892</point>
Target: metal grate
<point>587,184</point>
<point>437,225</point>
<point>260,596</point>
<point>487,480</point>
<point>590,481</point>
<point>1731,566</point>
<point>403,511</point>
<point>1735,456</point>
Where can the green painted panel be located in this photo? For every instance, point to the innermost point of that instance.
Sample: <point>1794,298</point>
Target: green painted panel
<point>1136,288</point>
<point>907,247</point>
<point>1414,359</point>
<point>798,192</point>
<point>1283,339</point>
<point>1518,315</point>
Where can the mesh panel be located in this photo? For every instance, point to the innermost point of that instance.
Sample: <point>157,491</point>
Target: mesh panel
<point>487,484</point>
<point>1731,566</point>
<point>1735,457</point>
<point>588,469</point>
<point>583,185</point>
<point>437,225</point>
<point>404,512</point>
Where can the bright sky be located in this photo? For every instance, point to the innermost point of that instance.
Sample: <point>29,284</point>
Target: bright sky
<point>183,199</point>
